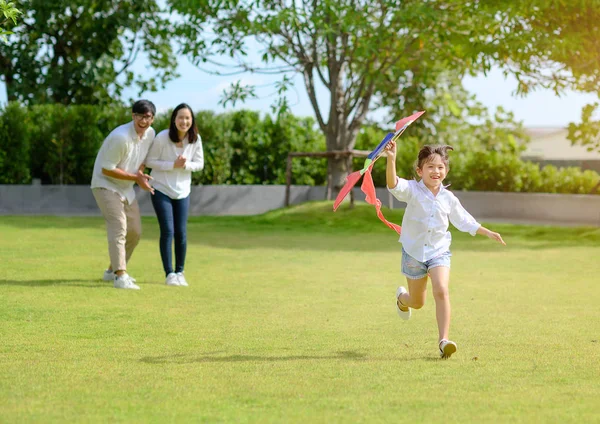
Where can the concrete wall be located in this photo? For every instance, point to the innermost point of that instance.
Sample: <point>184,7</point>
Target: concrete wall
<point>251,200</point>
<point>569,209</point>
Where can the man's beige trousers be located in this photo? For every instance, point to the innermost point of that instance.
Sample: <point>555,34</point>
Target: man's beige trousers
<point>123,226</point>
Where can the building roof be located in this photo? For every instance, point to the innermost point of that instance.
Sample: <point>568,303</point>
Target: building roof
<point>551,143</point>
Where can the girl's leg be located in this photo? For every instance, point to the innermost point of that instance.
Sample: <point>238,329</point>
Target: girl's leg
<point>415,298</point>
<point>180,217</point>
<point>440,278</point>
<point>164,213</point>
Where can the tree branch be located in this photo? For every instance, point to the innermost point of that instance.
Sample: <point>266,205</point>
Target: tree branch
<point>310,88</point>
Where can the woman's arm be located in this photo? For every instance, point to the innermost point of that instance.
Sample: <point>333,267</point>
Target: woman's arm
<point>155,159</point>
<point>196,163</point>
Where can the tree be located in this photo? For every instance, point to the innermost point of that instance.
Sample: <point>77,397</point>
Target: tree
<point>81,52</point>
<point>558,49</point>
<point>386,53</point>
<point>9,14</point>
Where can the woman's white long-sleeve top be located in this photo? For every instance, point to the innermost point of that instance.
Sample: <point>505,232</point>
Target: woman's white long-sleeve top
<point>174,182</point>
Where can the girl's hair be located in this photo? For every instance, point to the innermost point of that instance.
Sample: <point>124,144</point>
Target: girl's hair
<point>192,132</point>
<point>426,154</point>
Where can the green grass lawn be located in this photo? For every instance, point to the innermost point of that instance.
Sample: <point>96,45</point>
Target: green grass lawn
<point>290,317</point>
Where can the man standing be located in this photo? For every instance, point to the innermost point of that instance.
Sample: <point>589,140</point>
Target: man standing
<point>118,166</point>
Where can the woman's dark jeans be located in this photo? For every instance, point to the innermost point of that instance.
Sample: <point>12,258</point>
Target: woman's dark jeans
<point>172,217</point>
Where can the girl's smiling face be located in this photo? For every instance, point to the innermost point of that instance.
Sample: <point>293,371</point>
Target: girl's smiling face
<point>433,172</point>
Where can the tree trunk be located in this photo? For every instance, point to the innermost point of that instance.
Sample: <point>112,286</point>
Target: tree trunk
<point>11,94</point>
<point>338,167</point>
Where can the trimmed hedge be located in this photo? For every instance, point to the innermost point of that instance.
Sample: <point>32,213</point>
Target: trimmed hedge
<point>58,145</point>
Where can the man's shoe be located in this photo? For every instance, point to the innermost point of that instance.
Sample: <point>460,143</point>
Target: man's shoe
<point>181,279</point>
<point>403,313</point>
<point>110,276</point>
<point>447,348</point>
<point>124,281</point>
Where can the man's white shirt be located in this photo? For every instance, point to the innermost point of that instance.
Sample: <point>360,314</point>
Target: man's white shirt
<point>425,232</point>
<point>122,149</point>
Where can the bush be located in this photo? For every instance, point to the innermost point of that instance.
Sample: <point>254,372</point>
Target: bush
<point>15,125</point>
<point>65,140</point>
<point>59,144</point>
<point>501,171</point>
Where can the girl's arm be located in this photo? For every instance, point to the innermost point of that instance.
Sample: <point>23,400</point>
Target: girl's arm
<point>494,236</point>
<point>197,161</point>
<point>390,169</point>
<point>400,188</point>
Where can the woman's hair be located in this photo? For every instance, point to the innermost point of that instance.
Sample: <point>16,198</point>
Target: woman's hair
<point>174,133</point>
<point>426,154</point>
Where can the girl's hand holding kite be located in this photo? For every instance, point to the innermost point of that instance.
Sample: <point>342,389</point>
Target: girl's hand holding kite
<point>367,187</point>
<point>390,149</point>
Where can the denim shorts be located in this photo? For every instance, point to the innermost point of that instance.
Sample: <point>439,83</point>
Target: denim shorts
<point>415,270</point>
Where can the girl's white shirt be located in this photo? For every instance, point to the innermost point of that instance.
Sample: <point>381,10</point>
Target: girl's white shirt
<point>173,182</point>
<point>425,224</point>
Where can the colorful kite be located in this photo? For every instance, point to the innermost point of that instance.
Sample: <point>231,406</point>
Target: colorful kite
<point>367,185</point>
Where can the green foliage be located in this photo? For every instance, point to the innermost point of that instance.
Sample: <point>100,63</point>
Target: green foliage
<point>366,54</point>
<point>14,145</point>
<point>81,52</point>
<point>501,171</point>
<point>8,14</point>
<point>486,158</point>
<point>66,140</point>
<point>239,147</point>
<point>403,56</point>
<point>58,144</point>
<point>548,49</point>
<point>586,133</point>
<point>242,148</point>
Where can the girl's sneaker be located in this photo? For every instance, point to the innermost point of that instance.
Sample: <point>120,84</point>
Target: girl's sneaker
<point>447,348</point>
<point>403,313</point>
<point>172,279</point>
<point>181,279</point>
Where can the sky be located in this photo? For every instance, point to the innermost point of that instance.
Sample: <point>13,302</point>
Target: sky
<point>203,91</point>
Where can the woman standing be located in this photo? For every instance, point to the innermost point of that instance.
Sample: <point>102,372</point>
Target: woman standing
<point>174,155</point>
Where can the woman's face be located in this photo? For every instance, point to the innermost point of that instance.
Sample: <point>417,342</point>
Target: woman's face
<point>183,120</point>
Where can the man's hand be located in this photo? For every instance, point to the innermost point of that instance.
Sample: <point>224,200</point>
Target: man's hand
<point>179,162</point>
<point>142,180</point>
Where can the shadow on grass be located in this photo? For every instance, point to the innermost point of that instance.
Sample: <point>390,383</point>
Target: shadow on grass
<point>90,284</point>
<point>54,222</point>
<point>213,358</point>
<point>313,226</point>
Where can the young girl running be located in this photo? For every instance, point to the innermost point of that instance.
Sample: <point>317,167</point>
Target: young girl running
<point>425,237</point>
